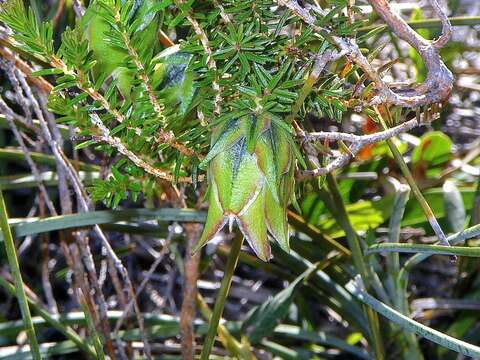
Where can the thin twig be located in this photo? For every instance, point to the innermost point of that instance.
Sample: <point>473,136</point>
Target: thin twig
<point>26,153</point>
<point>59,12</point>
<point>364,139</point>
<point>79,8</point>
<point>141,72</point>
<point>121,148</point>
<point>81,195</point>
<point>144,283</point>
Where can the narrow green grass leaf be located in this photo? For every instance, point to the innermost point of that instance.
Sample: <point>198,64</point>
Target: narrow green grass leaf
<point>323,338</point>
<point>424,249</point>
<point>408,324</point>
<point>262,320</point>
<point>24,227</point>
<point>49,178</point>
<point>17,278</point>
<point>18,156</point>
<point>453,239</point>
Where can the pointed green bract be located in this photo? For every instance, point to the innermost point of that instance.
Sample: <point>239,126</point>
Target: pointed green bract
<point>266,161</point>
<point>276,219</point>
<point>250,173</point>
<point>254,228</point>
<point>215,221</point>
<point>227,138</point>
<point>222,184</point>
<point>246,180</point>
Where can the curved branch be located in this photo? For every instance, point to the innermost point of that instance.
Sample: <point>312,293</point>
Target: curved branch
<point>439,82</point>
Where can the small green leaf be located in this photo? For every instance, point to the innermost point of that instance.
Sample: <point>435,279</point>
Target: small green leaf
<point>435,148</point>
<point>46,72</point>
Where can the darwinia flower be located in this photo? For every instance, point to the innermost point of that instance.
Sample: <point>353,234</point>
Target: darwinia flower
<point>250,174</point>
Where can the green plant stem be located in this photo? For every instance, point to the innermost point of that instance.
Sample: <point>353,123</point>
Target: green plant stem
<point>221,297</point>
<point>358,261</point>
<point>398,293</point>
<point>91,327</point>
<point>17,278</point>
<point>53,321</point>
<point>304,92</point>
<point>393,261</point>
<point>235,348</point>
<point>413,185</point>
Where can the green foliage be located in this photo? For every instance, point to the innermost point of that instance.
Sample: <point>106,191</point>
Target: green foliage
<point>434,149</point>
<point>262,320</point>
<point>111,65</point>
<point>33,37</point>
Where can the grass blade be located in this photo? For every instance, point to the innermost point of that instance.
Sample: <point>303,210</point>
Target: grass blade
<point>17,278</point>
<point>424,249</point>
<point>22,227</point>
<point>53,321</point>
<point>221,297</point>
<point>408,324</point>
<point>358,259</point>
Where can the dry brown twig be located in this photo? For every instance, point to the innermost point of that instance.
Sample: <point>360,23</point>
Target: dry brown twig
<point>188,311</point>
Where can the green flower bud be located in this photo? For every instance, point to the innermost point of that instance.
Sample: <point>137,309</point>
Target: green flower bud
<point>250,174</point>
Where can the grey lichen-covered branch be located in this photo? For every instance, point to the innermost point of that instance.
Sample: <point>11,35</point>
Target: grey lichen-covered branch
<point>439,82</point>
<point>358,142</point>
<point>364,139</point>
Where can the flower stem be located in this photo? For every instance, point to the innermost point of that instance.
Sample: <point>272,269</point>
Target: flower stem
<point>222,295</point>
<point>412,182</point>
<point>17,279</point>
<point>358,262</point>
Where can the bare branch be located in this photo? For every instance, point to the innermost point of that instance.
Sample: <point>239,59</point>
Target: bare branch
<point>358,142</point>
<point>364,139</point>
<point>33,167</point>
<point>439,81</point>
<point>446,25</point>
<point>187,315</point>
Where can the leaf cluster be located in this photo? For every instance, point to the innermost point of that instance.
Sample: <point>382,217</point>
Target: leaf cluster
<point>111,64</point>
